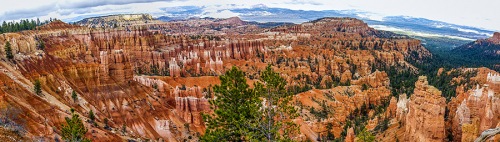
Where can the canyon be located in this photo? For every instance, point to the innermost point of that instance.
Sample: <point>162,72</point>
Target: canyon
<point>153,80</point>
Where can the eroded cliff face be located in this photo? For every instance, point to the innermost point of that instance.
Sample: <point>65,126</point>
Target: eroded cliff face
<point>477,109</point>
<point>338,103</point>
<point>466,116</point>
<point>117,21</point>
<point>425,118</point>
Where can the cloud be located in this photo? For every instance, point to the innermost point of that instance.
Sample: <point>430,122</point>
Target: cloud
<point>27,13</point>
<point>303,2</point>
<point>91,3</point>
<point>62,8</point>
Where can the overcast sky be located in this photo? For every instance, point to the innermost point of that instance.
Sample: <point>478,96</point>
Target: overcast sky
<point>477,13</point>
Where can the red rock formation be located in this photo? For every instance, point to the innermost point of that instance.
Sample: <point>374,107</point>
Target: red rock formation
<point>158,84</point>
<point>190,103</point>
<point>343,100</point>
<point>350,135</point>
<point>175,70</point>
<point>425,118</point>
<point>469,131</point>
<point>495,39</point>
<point>214,66</point>
<point>461,118</point>
<point>115,65</point>
<point>184,91</point>
<point>478,112</point>
<point>190,109</point>
<point>391,109</point>
<point>475,110</point>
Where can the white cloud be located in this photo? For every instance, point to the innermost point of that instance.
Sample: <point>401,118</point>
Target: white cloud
<point>219,14</point>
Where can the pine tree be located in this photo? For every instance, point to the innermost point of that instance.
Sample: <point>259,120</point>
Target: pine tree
<point>278,113</point>
<point>74,96</point>
<point>38,87</point>
<point>74,130</point>
<point>236,109</point>
<point>8,51</point>
<point>91,116</point>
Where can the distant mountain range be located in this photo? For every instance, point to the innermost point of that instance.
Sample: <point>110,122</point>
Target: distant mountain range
<point>402,24</point>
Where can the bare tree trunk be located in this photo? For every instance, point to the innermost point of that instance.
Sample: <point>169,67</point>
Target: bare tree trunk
<point>487,134</point>
<point>269,117</point>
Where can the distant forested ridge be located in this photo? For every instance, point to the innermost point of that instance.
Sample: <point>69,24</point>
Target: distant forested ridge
<point>21,25</point>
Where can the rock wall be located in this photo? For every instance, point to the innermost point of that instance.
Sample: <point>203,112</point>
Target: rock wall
<point>190,109</point>
<point>115,65</point>
<point>190,103</point>
<point>157,84</point>
<point>425,118</point>
<point>477,113</point>
<point>475,110</point>
<point>391,111</point>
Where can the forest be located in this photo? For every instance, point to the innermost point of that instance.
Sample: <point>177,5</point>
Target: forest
<point>21,25</point>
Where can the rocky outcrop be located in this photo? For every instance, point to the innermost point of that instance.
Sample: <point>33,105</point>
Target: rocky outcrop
<point>350,135</point>
<point>425,118</point>
<point>495,38</point>
<point>477,113</point>
<point>183,91</point>
<point>462,117</point>
<point>190,109</point>
<point>391,111</point>
<point>190,103</point>
<point>340,102</point>
<point>115,65</point>
<point>157,84</point>
<point>402,108</point>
